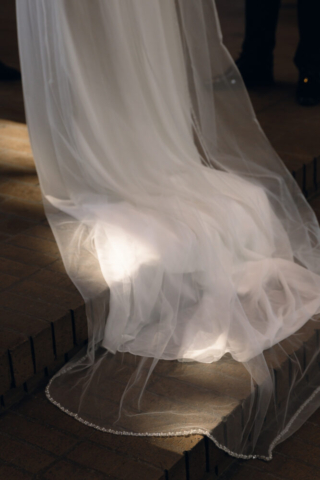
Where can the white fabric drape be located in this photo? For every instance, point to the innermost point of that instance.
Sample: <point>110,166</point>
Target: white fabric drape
<point>184,232</point>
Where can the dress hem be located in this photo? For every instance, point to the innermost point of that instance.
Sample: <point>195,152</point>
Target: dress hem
<point>181,433</point>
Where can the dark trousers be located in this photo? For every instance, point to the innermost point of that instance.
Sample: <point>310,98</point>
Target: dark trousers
<point>261,25</point>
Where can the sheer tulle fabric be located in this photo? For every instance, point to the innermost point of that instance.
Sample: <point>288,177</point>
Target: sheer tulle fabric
<point>191,244</point>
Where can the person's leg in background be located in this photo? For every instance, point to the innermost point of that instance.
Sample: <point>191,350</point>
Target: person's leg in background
<point>256,60</point>
<point>8,74</point>
<point>307,58</point>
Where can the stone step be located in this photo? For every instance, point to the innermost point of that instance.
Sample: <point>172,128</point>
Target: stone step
<point>50,441</point>
<point>42,317</point>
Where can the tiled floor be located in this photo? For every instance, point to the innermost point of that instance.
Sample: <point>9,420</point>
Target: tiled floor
<point>298,458</point>
<point>40,309</point>
<point>38,441</point>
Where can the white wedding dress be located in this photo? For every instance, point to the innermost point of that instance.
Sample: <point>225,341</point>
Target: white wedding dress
<point>178,223</point>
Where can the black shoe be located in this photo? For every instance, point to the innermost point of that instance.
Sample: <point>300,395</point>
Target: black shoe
<point>254,74</point>
<point>8,74</point>
<point>308,90</point>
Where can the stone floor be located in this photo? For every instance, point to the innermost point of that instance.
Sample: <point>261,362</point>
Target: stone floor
<point>42,321</point>
<point>41,311</point>
<point>37,441</point>
<point>298,458</point>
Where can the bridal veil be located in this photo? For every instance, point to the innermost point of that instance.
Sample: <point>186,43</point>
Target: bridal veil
<point>193,247</point>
